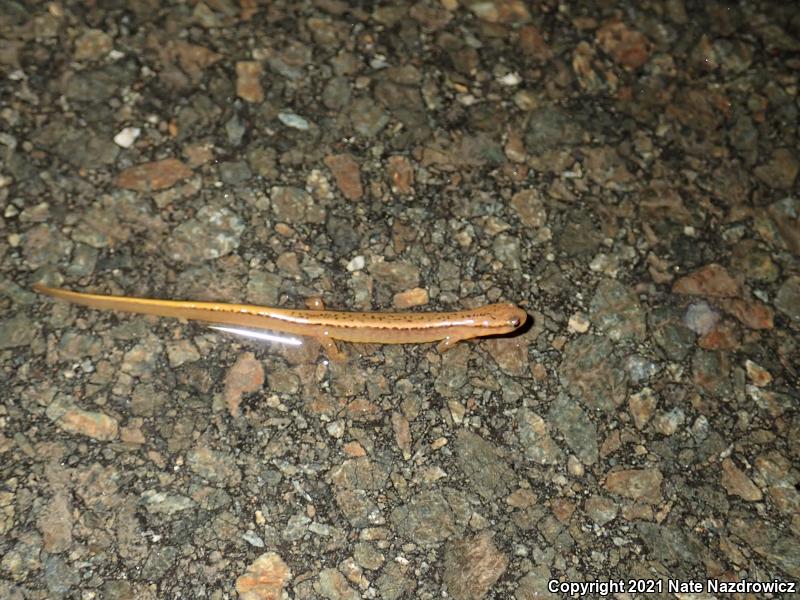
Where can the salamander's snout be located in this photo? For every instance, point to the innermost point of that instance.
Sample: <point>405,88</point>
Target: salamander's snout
<point>508,317</point>
<point>517,318</point>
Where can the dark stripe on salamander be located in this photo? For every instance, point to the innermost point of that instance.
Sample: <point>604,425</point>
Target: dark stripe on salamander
<point>322,320</point>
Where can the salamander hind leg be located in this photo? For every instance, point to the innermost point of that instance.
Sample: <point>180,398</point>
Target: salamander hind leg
<point>315,303</point>
<point>331,349</point>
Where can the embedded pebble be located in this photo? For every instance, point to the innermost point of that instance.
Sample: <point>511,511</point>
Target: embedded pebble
<point>264,578</point>
<point>472,566</point>
<point>152,176</point>
<point>126,137</point>
<point>700,318</point>
<point>757,374</point>
<point>248,81</point>
<point>578,323</point>
<point>16,331</point>
<point>212,233</point>
<point>245,376</point>
<point>356,263</point>
<point>409,298</point>
<point>788,298</point>
<point>736,482</point>
<point>637,484</point>
<point>711,280</point>
<point>642,405</point>
<point>294,121</point>
<point>346,172</point>
<point>95,425</point>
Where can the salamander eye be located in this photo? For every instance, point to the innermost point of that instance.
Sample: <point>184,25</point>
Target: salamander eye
<point>514,322</point>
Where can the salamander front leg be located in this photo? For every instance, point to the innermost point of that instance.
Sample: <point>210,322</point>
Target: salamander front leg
<point>331,349</point>
<point>449,342</point>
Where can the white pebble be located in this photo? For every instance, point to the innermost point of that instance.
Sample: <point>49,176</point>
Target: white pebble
<point>510,79</point>
<point>578,323</point>
<point>293,120</point>
<point>356,264</point>
<point>335,429</point>
<point>127,136</point>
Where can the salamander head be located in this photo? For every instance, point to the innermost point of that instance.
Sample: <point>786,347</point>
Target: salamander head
<point>503,318</point>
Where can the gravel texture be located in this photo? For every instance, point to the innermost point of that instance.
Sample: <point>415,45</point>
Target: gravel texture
<point>626,172</point>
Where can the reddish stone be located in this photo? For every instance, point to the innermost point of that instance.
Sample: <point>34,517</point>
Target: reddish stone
<point>95,425</point>
<point>245,376</point>
<point>354,449</point>
<point>401,174</point>
<point>710,280</point>
<point>472,566</point>
<point>562,509</point>
<point>195,59</point>
<point>153,176</point>
<point>533,44</point>
<point>265,578</point>
<point>413,297</point>
<point>361,409</point>
<point>248,81</point>
<point>724,336</point>
<point>757,374</point>
<point>737,483</point>
<point>402,433</point>
<point>628,47</point>
<point>522,498</point>
<point>637,484</point>
<point>751,313</point>
<point>347,173</point>
<point>510,354</point>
